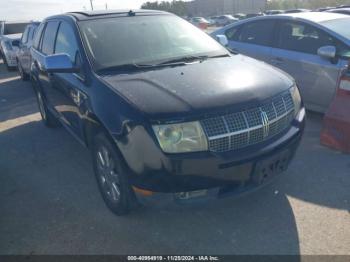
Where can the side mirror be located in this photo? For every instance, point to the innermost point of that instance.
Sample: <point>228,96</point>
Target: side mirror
<point>222,39</point>
<point>59,63</point>
<point>15,43</point>
<point>327,52</point>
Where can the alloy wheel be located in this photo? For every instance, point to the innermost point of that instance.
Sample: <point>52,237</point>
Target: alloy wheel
<point>108,174</point>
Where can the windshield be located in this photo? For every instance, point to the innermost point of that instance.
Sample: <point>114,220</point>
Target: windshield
<point>14,28</point>
<point>113,42</point>
<point>340,26</point>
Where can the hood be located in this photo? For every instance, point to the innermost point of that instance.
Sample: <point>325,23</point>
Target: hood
<point>214,84</point>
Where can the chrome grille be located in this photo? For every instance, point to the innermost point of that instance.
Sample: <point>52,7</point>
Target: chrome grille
<point>242,129</point>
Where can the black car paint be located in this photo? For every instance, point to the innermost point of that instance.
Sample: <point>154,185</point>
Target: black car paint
<point>125,106</point>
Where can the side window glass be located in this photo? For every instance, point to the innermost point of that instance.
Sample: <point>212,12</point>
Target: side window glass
<point>258,33</point>
<point>32,34</point>
<point>231,33</point>
<point>49,38</point>
<point>24,39</point>
<point>303,38</point>
<point>38,35</point>
<point>66,42</point>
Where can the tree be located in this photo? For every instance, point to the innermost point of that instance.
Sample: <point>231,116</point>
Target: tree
<point>176,7</point>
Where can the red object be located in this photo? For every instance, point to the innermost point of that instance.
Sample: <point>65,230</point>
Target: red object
<point>336,123</point>
<point>203,25</point>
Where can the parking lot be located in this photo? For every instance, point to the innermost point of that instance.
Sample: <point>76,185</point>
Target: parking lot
<point>50,203</point>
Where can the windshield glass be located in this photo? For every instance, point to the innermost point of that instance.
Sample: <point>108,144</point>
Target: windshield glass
<point>340,26</point>
<point>113,42</point>
<point>14,28</point>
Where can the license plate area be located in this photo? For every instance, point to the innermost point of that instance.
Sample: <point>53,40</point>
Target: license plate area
<point>271,167</point>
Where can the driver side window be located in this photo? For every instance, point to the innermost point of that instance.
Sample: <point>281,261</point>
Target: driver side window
<point>66,42</point>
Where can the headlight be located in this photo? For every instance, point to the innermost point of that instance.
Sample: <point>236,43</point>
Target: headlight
<point>294,91</point>
<point>181,138</point>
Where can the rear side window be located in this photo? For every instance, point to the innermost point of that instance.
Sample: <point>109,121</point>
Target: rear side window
<point>258,33</point>
<point>66,42</point>
<point>38,34</point>
<point>49,37</point>
<point>301,37</point>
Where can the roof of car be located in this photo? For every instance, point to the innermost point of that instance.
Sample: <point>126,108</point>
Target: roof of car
<point>339,9</point>
<point>316,17</point>
<point>84,15</point>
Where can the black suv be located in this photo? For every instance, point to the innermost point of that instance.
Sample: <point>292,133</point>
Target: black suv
<point>165,109</point>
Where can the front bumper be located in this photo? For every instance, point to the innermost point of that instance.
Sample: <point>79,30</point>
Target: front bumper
<point>220,174</point>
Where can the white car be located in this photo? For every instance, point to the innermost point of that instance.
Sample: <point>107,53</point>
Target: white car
<point>9,47</point>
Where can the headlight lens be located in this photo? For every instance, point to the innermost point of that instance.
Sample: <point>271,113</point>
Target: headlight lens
<point>181,138</point>
<point>296,99</point>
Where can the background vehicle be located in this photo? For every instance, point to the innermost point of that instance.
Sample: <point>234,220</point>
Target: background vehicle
<point>225,20</point>
<point>200,22</point>
<point>9,47</point>
<point>11,28</point>
<point>273,12</point>
<point>344,11</point>
<point>251,15</point>
<point>23,54</point>
<point>239,16</point>
<point>151,123</point>
<point>313,47</point>
<point>292,11</point>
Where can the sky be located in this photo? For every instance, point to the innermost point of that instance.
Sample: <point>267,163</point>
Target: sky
<point>39,9</point>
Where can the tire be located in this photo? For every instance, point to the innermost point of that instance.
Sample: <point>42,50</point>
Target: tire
<point>112,176</point>
<point>48,118</point>
<point>24,76</point>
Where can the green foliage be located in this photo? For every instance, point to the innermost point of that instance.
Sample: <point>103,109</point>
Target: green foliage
<point>176,7</point>
<point>309,4</point>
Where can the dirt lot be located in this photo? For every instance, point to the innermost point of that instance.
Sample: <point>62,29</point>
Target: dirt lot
<point>49,202</point>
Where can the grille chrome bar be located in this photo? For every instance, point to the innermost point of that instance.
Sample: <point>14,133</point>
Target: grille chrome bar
<point>251,128</point>
<point>255,125</point>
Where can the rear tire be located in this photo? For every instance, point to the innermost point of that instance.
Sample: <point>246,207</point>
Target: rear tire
<point>112,176</point>
<point>24,76</point>
<point>48,118</point>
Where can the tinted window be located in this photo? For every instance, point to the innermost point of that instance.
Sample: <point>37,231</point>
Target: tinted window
<point>49,38</point>
<point>66,42</point>
<point>305,38</point>
<point>38,35</point>
<point>14,28</point>
<point>258,33</point>
<point>231,33</point>
<point>112,42</point>
<point>25,36</point>
<point>31,33</point>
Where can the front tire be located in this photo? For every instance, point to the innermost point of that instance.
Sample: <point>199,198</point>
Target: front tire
<point>112,176</point>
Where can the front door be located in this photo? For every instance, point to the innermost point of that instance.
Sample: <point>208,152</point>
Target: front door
<point>296,53</point>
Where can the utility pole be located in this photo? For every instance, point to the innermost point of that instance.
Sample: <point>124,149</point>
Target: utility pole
<point>92,6</point>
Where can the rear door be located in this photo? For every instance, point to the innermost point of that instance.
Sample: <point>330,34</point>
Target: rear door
<point>296,53</point>
<point>253,39</point>
<point>22,47</point>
